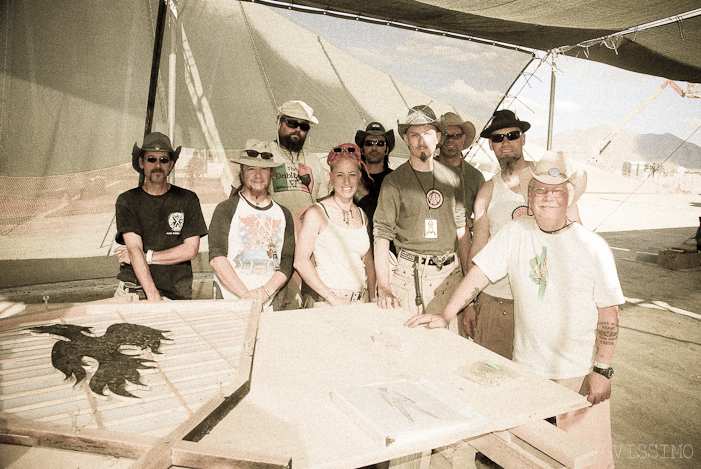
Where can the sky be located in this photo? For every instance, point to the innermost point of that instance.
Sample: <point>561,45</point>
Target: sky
<point>470,75</point>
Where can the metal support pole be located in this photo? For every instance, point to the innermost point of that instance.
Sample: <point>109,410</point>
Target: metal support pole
<point>552,103</point>
<point>155,65</point>
<point>171,80</point>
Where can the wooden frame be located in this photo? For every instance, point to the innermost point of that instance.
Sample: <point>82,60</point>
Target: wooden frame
<point>159,451</point>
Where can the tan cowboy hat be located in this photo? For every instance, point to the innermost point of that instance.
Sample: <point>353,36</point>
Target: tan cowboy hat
<point>422,115</point>
<point>256,153</point>
<point>553,169</point>
<point>468,128</point>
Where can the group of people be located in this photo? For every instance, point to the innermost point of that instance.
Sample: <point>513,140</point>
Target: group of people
<point>525,279</point>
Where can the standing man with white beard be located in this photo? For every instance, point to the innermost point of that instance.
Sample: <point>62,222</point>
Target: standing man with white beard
<point>491,320</point>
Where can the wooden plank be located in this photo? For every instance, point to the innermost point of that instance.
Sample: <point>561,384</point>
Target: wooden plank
<point>507,453</point>
<point>27,433</point>
<point>159,456</point>
<point>556,443</point>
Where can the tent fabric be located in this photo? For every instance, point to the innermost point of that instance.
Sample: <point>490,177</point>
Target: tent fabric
<point>669,51</point>
<point>75,88</point>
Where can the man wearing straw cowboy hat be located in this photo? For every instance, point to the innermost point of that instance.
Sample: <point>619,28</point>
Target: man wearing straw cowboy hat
<point>251,237</point>
<point>566,293</point>
<point>421,209</point>
<point>459,137</point>
<point>160,224</point>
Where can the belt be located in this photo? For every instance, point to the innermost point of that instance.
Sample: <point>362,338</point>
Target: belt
<point>438,261</point>
<point>350,295</point>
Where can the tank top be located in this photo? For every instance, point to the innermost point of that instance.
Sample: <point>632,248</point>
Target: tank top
<point>505,206</point>
<point>339,252</point>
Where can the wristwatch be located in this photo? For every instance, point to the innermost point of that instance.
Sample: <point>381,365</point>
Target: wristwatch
<point>607,372</point>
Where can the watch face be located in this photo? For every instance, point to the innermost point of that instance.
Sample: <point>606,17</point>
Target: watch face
<point>607,372</point>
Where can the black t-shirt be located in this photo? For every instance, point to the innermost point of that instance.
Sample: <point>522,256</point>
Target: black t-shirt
<point>163,222</point>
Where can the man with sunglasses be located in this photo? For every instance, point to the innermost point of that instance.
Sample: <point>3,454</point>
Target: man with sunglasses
<point>159,226</point>
<point>490,321</point>
<point>567,295</point>
<point>460,136</point>
<point>421,209</point>
<point>298,179</point>
<point>375,146</point>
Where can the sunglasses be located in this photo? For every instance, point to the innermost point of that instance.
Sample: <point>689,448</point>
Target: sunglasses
<point>369,143</point>
<point>498,138</point>
<point>349,150</point>
<point>293,124</point>
<point>455,136</point>
<point>162,159</point>
<point>265,155</point>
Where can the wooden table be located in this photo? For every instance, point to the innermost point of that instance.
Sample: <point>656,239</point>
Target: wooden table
<point>301,356</point>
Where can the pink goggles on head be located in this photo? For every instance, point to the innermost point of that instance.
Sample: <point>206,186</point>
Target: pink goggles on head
<point>350,151</point>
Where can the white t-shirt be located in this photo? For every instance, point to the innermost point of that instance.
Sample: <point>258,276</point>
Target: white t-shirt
<point>558,281</point>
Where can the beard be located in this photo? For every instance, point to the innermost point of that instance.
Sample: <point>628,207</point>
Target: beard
<point>288,143</point>
<point>508,165</point>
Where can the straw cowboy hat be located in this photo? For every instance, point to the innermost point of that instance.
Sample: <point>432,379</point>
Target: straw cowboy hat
<point>422,115</point>
<point>256,153</point>
<point>468,128</point>
<point>553,169</point>
<point>155,141</point>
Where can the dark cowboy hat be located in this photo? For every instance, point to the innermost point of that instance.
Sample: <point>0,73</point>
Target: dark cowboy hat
<point>423,115</point>
<point>155,141</point>
<point>377,130</point>
<point>502,120</point>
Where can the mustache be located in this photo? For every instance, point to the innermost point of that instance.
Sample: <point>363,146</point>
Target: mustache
<point>548,204</point>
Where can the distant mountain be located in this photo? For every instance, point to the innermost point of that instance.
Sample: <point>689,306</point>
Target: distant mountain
<point>628,146</point>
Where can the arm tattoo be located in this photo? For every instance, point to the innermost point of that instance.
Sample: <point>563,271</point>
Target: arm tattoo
<point>607,333</point>
<point>472,297</point>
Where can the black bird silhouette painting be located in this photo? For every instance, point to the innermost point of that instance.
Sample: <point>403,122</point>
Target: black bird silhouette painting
<point>115,368</point>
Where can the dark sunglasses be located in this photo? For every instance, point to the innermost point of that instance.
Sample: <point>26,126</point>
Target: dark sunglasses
<point>265,155</point>
<point>349,150</point>
<point>498,138</point>
<point>162,159</point>
<point>453,136</point>
<point>369,143</point>
<point>293,124</point>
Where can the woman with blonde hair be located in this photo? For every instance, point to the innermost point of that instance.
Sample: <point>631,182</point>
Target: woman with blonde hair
<point>335,231</point>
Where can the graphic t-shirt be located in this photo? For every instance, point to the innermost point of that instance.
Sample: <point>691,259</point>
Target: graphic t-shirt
<point>162,222</point>
<point>257,241</point>
<point>559,280</point>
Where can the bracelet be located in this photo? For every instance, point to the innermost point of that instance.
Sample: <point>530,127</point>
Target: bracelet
<point>149,257</point>
<point>601,365</point>
<point>266,291</point>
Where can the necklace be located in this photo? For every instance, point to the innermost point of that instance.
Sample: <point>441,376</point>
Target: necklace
<point>434,197</point>
<point>347,214</point>
<point>568,222</point>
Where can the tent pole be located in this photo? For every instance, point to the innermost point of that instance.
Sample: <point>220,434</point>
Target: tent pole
<point>552,103</point>
<point>155,65</point>
<point>171,80</point>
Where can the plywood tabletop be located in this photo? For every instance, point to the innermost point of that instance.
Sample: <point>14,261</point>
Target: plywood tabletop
<point>301,356</point>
